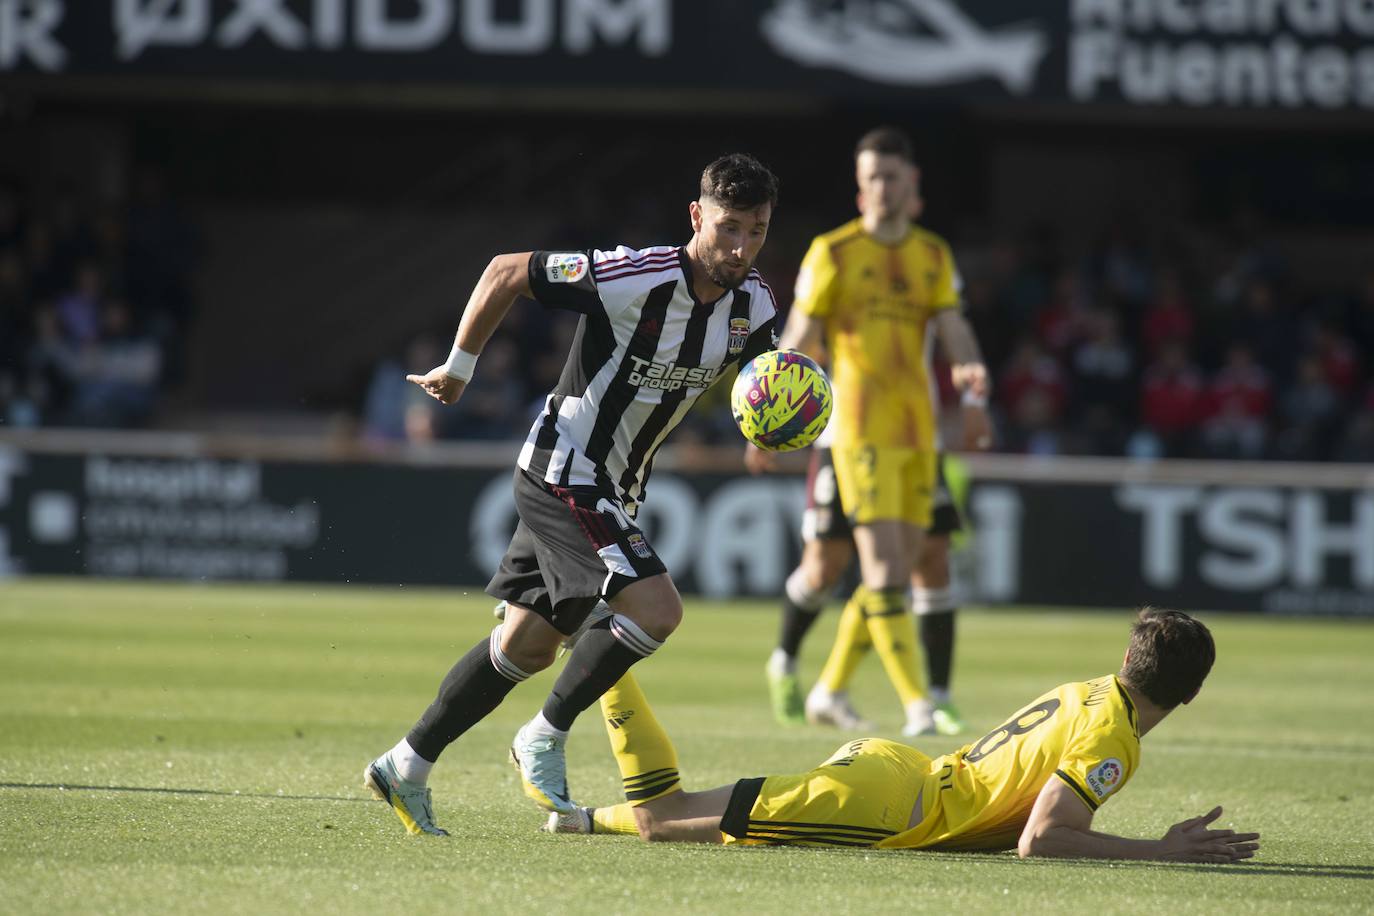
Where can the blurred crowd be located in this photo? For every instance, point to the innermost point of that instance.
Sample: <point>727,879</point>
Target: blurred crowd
<point>1197,346</point>
<point>94,306</point>
<point>1210,349</point>
<point>1203,348</point>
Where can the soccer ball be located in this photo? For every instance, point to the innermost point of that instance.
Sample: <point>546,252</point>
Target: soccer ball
<point>781,400</point>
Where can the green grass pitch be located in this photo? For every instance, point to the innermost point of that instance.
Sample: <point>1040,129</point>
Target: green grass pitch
<point>183,748</point>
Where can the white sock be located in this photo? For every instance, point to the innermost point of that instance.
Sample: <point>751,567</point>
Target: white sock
<point>782,663</point>
<point>540,726</point>
<point>411,766</point>
<point>939,694</point>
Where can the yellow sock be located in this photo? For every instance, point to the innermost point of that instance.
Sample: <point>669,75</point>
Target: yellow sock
<point>615,819</point>
<point>645,755</point>
<point>851,644</point>
<point>893,631</point>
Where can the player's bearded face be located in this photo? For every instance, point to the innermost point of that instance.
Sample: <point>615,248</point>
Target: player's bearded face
<point>728,240</point>
<point>887,186</point>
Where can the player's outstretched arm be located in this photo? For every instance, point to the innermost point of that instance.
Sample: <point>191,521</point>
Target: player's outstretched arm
<point>506,277</point>
<point>1060,826</point>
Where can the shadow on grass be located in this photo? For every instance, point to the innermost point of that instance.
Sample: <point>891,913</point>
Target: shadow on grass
<point>1011,860</point>
<point>68,787</point>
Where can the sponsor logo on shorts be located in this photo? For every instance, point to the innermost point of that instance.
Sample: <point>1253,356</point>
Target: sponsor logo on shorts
<point>565,268</point>
<point>739,335</point>
<point>618,720</point>
<point>1104,777</point>
<point>639,546</point>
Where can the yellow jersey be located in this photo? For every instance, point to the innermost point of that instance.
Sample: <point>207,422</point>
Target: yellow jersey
<point>980,796</point>
<point>875,300</point>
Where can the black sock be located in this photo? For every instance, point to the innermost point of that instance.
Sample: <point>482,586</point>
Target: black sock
<point>471,690</point>
<point>796,623</point>
<point>937,638</point>
<point>596,663</point>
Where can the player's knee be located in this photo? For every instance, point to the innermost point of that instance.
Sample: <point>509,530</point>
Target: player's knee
<point>528,652</point>
<point>660,620</point>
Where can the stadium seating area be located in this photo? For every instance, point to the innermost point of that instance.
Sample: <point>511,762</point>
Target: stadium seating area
<point>1213,346</point>
<point>94,307</point>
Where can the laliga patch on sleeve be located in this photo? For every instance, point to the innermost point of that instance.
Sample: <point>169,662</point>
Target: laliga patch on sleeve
<point>1105,777</point>
<point>566,268</point>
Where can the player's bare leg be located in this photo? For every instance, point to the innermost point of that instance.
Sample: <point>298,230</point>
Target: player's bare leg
<point>933,602</point>
<point>823,562</point>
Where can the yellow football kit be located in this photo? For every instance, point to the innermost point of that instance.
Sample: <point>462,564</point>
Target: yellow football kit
<point>978,797</point>
<point>875,301</point>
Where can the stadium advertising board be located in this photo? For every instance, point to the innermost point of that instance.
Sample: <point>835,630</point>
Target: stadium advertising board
<point>1265,54</point>
<point>1279,548</point>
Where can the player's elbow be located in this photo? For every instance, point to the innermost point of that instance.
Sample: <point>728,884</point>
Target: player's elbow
<point>507,271</point>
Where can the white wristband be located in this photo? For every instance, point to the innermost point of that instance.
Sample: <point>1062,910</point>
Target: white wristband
<point>970,399</point>
<point>460,364</point>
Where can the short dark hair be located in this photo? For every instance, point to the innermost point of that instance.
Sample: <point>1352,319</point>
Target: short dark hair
<point>740,182</point>
<point>886,141</point>
<point>1170,656</point>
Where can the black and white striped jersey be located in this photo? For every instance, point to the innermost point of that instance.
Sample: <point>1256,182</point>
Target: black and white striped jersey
<point>645,350</point>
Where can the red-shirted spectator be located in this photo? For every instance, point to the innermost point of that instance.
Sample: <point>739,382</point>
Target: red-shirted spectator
<point>1172,397</point>
<point>1060,323</point>
<point>1237,407</point>
<point>1169,318</point>
<point>1338,357</point>
<point>1032,373</point>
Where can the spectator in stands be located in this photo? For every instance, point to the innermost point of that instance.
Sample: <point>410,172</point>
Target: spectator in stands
<point>1238,403</point>
<point>1339,359</point>
<point>1357,440</point>
<point>79,307</point>
<point>1103,380</point>
<point>1265,325</point>
<point>395,410</point>
<point>1310,410</point>
<point>1033,393</point>
<point>116,377</point>
<point>1171,399</point>
<point>1169,317</point>
<point>493,404</point>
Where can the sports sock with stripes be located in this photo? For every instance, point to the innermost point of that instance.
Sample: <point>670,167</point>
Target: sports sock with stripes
<point>852,642</point>
<point>473,688</point>
<point>602,656</point>
<point>643,751</point>
<point>893,631</point>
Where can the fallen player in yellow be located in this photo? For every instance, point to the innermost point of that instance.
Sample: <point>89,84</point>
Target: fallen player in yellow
<point>1033,784</point>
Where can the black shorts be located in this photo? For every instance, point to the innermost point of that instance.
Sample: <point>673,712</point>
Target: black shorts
<point>572,546</point>
<point>825,519</point>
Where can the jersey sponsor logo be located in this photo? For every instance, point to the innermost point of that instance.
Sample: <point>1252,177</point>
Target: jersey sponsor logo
<point>739,335</point>
<point>565,268</point>
<point>669,376</point>
<point>1105,777</point>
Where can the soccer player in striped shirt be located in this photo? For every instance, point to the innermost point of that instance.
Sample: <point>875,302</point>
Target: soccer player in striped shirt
<point>658,326</point>
<point>1033,784</point>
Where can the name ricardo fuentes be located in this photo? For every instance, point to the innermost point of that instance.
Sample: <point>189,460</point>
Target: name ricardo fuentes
<point>646,373</point>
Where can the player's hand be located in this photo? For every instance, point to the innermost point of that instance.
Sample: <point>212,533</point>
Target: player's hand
<point>971,378</point>
<point>1192,841</point>
<point>757,460</point>
<point>439,385</point>
<point>977,428</point>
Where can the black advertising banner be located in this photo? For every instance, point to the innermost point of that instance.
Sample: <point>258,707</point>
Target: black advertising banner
<point>1278,549</point>
<point>1291,549</point>
<point>1258,54</point>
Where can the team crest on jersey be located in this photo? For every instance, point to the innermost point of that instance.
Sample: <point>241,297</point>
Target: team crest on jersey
<point>639,545</point>
<point>566,268</point>
<point>739,335</point>
<point>1104,777</point>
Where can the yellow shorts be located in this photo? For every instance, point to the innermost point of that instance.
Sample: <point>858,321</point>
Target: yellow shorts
<point>859,797</point>
<point>884,484</point>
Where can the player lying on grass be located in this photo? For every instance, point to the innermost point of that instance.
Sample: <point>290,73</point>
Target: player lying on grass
<point>1033,784</point>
